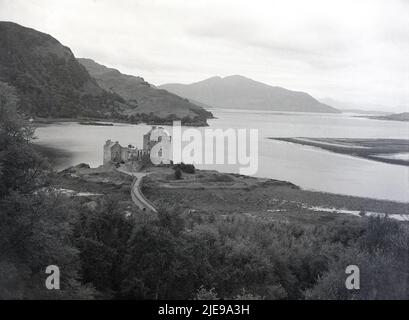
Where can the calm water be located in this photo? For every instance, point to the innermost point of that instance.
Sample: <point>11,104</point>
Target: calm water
<point>308,167</point>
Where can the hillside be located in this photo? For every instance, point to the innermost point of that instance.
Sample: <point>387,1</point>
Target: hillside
<point>48,79</point>
<point>147,98</point>
<point>243,93</point>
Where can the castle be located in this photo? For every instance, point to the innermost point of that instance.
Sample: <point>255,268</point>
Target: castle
<point>156,143</point>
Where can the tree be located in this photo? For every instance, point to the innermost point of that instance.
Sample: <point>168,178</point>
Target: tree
<point>102,236</point>
<point>34,234</point>
<point>154,266</point>
<point>382,256</point>
<point>188,168</point>
<point>36,223</point>
<point>21,167</point>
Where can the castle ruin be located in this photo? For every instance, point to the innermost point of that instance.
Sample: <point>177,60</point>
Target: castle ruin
<point>156,143</point>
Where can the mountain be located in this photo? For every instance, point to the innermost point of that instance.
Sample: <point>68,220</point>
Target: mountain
<point>145,96</point>
<point>243,93</point>
<point>47,78</point>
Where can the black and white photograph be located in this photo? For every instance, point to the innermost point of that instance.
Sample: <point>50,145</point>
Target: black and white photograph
<point>207,150</point>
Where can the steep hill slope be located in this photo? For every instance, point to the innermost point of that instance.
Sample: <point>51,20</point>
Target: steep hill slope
<point>48,79</point>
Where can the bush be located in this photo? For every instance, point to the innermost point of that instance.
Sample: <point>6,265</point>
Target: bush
<point>178,173</point>
<point>187,168</point>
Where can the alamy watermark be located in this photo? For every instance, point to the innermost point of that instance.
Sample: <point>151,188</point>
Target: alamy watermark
<point>212,146</point>
<point>353,281</point>
<point>52,282</point>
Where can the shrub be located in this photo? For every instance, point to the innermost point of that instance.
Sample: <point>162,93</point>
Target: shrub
<point>187,168</point>
<point>178,173</point>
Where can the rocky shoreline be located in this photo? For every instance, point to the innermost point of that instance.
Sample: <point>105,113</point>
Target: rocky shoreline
<point>39,122</point>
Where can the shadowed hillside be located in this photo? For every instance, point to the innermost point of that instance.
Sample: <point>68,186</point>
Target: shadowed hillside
<point>48,79</point>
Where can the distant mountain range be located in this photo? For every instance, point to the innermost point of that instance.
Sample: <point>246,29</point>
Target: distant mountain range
<point>362,111</point>
<point>243,93</point>
<point>364,108</point>
<point>147,98</point>
<point>50,82</point>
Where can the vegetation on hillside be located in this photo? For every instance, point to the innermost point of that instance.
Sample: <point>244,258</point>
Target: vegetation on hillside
<point>48,79</point>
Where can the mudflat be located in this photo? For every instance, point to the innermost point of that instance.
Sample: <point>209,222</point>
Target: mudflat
<point>393,151</point>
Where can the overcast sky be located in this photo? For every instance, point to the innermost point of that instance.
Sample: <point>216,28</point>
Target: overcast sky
<point>354,51</point>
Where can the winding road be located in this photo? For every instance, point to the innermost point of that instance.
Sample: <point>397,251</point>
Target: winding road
<point>137,196</point>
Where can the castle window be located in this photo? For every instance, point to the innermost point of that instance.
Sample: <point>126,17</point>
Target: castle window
<point>160,152</point>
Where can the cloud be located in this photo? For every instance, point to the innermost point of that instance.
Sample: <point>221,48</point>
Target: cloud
<point>349,50</point>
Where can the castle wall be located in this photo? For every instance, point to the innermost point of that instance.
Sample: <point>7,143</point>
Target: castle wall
<point>162,152</point>
<point>146,139</point>
<point>107,151</point>
<point>129,154</point>
<point>116,153</point>
<point>107,155</point>
<point>158,133</point>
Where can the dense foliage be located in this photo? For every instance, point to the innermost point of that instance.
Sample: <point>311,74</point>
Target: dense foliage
<point>35,225</point>
<point>191,256</point>
<point>104,253</point>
